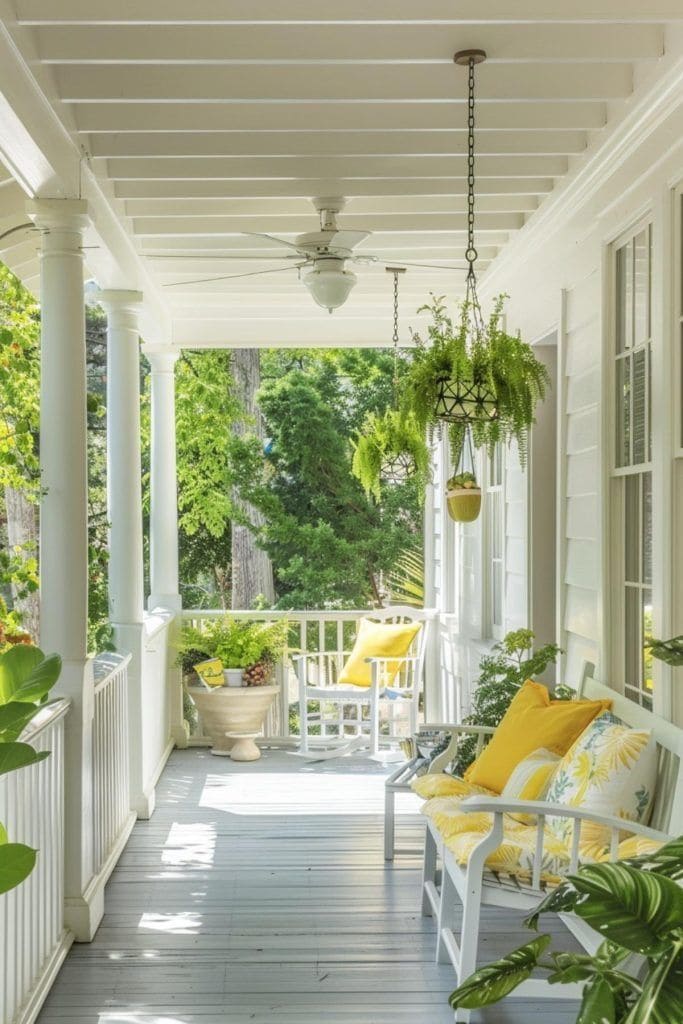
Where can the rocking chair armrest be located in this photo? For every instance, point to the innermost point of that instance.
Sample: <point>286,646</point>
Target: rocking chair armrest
<point>498,807</point>
<point>401,659</point>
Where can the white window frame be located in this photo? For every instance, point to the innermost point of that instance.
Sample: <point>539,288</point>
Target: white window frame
<point>494,492</point>
<point>619,474</point>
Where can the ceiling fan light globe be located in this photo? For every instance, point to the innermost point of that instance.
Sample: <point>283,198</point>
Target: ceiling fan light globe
<point>330,288</point>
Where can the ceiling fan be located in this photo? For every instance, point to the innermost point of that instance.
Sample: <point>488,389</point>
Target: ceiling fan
<point>319,257</point>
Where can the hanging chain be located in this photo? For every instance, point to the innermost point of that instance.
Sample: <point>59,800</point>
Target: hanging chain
<point>471,254</point>
<point>395,381</point>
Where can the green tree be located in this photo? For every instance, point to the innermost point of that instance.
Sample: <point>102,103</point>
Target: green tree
<point>331,546</point>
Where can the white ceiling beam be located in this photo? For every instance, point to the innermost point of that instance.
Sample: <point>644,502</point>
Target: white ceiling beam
<point>427,223</point>
<point>135,168</point>
<point>182,188</point>
<point>394,242</point>
<point>248,83</point>
<point>168,144</point>
<point>445,12</point>
<point>187,44</point>
<point>270,206</point>
<point>399,117</point>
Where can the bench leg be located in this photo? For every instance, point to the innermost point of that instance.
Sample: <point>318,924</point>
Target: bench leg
<point>447,914</point>
<point>389,823</point>
<point>469,936</point>
<point>428,871</point>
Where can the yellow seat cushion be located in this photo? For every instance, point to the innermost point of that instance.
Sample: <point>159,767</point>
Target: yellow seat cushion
<point>441,784</point>
<point>377,640</point>
<point>532,721</point>
<point>515,856</point>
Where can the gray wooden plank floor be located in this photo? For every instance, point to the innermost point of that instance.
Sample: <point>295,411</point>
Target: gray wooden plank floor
<point>259,893</point>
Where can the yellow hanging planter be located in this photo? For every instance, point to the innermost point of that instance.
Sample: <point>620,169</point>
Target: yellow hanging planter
<point>463,498</point>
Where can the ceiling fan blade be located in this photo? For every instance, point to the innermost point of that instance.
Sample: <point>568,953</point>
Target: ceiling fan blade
<point>271,238</point>
<point>347,239</point>
<point>387,264</point>
<point>219,256</point>
<point>233,277</point>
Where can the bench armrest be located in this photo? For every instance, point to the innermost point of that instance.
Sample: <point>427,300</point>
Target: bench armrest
<point>441,761</point>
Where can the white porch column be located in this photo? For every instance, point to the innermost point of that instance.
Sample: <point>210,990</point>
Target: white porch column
<point>124,507</point>
<point>163,527</point>
<point>64,532</point>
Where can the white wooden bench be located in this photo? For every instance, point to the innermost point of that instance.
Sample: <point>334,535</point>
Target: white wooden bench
<point>474,885</point>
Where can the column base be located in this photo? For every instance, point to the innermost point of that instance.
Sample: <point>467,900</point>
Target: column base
<point>83,914</point>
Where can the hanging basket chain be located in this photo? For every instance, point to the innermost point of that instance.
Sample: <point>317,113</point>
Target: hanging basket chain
<point>395,377</point>
<point>472,255</point>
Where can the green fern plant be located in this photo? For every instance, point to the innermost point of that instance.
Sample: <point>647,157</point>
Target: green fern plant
<point>489,358</point>
<point>382,438</point>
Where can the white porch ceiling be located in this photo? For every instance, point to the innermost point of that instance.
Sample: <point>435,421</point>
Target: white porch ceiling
<point>200,121</point>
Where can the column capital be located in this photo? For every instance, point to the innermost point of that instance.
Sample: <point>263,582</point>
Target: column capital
<point>58,214</point>
<point>162,358</point>
<point>119,298</point>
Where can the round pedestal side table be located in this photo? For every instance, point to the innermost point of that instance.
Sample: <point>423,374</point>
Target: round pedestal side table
<point>234,716</point>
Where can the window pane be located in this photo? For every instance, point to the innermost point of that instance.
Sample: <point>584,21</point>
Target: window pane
<point>632,528</point>
<point>647,631</point>
<point>641,288</point>
<point>639,385</point>
<point>497,593</point>
<point>633,648</point>
<point>624,309</point>
<point>497,524</point>
<point>623,410</point>
<point>647,528</point>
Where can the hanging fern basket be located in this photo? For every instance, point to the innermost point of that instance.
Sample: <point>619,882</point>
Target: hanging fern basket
<point>464,503</point>
<point>464,401</point>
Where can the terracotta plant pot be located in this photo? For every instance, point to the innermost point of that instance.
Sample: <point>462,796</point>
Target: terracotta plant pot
<point>464,503</point>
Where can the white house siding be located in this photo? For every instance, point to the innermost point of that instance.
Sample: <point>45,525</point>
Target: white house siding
<point>515,485</point>
<point>581,473</point>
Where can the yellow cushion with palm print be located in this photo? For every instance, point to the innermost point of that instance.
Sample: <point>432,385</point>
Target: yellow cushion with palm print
<point>515,856</point>
<point>611,769</point>
<point>441,784</point>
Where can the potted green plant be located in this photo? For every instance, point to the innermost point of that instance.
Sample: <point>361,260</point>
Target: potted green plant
<point>463,497</point>
<point>244,647</point>
<point>474,375</point>
<point>390,448</point>
<point>637,906</point>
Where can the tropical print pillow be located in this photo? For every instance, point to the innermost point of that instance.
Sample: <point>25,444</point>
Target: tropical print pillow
<point>611,769</point>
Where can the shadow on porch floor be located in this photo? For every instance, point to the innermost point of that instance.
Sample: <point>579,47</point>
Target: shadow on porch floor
<point>259,893</point>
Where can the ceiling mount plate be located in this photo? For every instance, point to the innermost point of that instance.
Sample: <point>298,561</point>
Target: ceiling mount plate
<point>395,270</point>
<point>463,57</point>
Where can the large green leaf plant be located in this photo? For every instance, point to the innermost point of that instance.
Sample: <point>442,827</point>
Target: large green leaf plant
<point>637,906</point>
<point>26,678</point>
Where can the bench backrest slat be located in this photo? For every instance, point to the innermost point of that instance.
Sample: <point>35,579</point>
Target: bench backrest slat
<point>667,812</point>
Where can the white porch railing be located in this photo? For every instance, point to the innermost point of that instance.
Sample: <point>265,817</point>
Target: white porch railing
<point>33,940</point>
<point>111,779</point>
<point>316,630</point>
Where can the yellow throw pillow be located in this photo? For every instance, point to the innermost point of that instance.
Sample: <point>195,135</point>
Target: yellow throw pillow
<point>531,779</point>
<point>210,672</point>
<point>377,640</point>
<point>532,721</point>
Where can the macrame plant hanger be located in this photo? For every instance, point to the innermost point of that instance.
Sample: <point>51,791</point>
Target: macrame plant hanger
<point>466,401</point>
<point>397,468</point>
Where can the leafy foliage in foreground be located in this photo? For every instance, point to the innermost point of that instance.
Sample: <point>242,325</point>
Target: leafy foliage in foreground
<point>637,906</point>
<point>26,678</point>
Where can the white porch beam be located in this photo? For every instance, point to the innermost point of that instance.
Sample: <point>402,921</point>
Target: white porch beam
<point>64,532</point>
<point>148,118</point>
<point>163,486</point>
<point>300,206</point>
<point>352,43</point>
<point>228,84</point>
<point>233,188</point>
<point>320,143</point>
<point>443,12</point>
<point>245,167</point>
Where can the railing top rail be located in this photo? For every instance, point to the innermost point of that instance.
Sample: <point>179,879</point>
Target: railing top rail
<point>46,717</point>
<point>106,665</point>
<point>336,615</point>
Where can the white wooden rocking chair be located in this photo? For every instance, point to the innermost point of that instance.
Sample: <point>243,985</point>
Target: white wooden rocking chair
<point>341,707</point>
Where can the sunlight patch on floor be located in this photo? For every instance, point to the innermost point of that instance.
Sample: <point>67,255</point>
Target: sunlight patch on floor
<point>191,843</point>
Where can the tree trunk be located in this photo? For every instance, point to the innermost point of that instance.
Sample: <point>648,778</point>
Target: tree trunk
<point>252,569</point>
<point>22,533</point>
